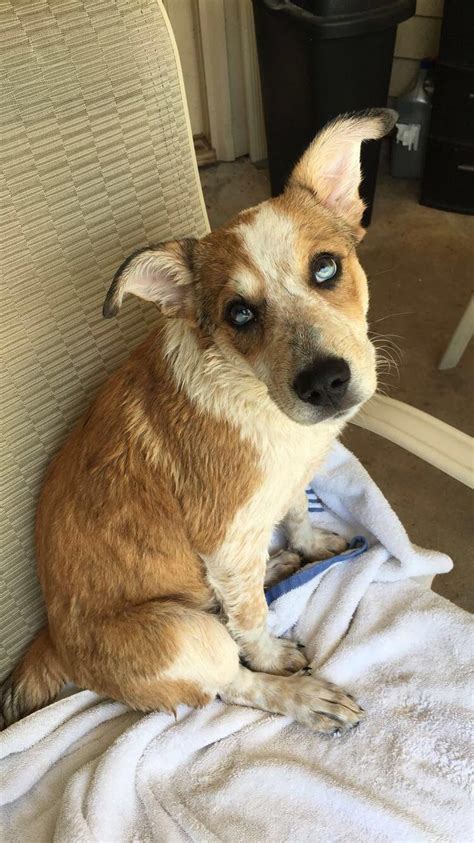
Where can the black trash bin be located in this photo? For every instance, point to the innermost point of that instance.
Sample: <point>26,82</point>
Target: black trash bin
<point>318,59</point>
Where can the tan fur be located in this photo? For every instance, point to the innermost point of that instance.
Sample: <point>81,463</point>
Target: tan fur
<point>35,681</point>
<point>156,514</point>
<point>126,519</point>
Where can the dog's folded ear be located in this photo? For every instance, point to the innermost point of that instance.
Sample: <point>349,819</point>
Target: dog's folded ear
<point>162,274</point>
<point>330,167</point>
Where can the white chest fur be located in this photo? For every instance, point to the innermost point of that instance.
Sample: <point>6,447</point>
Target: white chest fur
<point>289,456</point>
<point>288,453</point>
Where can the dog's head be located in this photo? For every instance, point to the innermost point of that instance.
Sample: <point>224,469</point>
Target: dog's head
<point>279,290</point>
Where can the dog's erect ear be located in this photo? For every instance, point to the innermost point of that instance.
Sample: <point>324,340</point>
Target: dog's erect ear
<point>162,274</point>
<point>330,167</point>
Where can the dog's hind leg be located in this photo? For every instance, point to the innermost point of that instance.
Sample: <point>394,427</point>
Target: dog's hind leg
<point>158,655</point>
<point>153,656</point>
<point>164,653</point>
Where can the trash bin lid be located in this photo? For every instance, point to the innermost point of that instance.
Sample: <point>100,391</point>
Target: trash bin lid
<point>343,18</point>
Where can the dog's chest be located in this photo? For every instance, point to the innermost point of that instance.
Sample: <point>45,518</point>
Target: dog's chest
<point>287,463</point>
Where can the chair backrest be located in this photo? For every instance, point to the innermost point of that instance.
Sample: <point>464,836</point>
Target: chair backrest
<point>97,160</point>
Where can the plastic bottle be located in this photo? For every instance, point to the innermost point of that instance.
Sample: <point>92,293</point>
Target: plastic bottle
<point>414,110</point>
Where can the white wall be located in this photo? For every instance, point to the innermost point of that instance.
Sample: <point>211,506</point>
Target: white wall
<point>416,38</point>
<point>184,19</point>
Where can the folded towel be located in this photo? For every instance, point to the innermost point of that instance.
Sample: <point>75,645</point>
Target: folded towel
<point>87,769</point>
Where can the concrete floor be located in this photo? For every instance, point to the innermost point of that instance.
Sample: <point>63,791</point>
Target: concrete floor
<point>420,265</point>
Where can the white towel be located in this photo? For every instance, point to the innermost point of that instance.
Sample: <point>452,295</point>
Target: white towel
<point>343,498</point>
<point>87,769</point>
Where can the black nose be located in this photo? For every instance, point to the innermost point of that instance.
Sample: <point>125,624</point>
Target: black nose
<point>324,383</point>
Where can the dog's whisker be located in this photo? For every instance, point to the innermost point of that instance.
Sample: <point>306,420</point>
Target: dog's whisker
<point>372,275</point>
<point>393,315</point>
<point>386,352</point>
<point>389,353</point>
<point>384,338</point>
<point>389,358</point>
<point>386,363</point>
<point>374,336</point>
<point>400,336</point>
<point>387,347</point>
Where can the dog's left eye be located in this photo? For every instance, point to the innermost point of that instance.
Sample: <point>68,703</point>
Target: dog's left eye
<point>324,268</point>
<point>240,314</point>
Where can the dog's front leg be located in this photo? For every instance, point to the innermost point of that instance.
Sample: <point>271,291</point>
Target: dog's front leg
<point>311,542</point>
<point>237,577</point>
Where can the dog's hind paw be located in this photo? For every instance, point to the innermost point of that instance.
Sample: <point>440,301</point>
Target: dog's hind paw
<point>281,566</point>
<point>322,545</point>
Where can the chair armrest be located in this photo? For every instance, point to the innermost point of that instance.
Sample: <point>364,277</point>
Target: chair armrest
<point>432,440</point>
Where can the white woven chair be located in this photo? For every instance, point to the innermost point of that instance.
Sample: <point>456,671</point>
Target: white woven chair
<point>97,159</point>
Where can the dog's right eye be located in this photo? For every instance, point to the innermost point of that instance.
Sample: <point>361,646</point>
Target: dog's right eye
<point>325,269</point>
<point>240,314</point>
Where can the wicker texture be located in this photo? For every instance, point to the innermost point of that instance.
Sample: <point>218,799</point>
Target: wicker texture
<point>97,160</point>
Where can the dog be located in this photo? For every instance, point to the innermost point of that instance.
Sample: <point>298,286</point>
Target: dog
<point>154,520</point>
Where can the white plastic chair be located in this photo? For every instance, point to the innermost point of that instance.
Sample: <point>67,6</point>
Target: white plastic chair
<point>462,336</point>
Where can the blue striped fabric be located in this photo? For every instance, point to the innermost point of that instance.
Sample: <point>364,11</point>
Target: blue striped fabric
<point>357,546</point>
<point>315,504</point>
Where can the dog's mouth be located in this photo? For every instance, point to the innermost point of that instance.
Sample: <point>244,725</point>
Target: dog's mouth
<point>308,414</point>
<point>326,413</point>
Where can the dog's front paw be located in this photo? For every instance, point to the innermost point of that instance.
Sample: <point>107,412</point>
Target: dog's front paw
<point>276,655</point>
<point>322,545</point>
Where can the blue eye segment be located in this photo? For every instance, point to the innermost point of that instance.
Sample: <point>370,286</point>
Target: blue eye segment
<point>240,314</point>
<point>324,268</point>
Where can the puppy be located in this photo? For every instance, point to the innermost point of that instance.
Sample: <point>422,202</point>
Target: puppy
<point>155,517</point>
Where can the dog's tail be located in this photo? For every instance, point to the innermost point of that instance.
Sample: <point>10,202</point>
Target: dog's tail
<point>34,682</point>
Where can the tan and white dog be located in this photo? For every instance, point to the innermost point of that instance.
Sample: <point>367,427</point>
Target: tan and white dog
<point>154,521</point>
